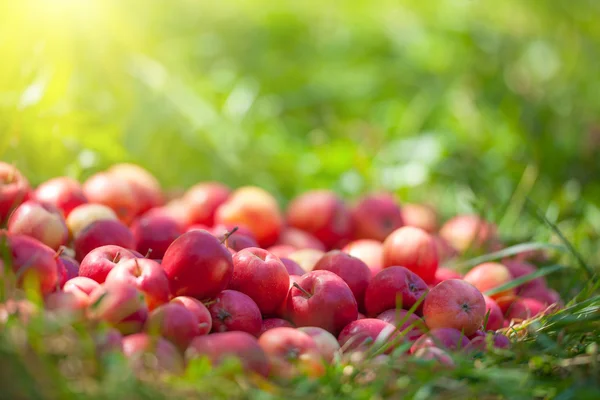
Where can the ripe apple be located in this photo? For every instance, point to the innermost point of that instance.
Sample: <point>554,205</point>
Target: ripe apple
<point>271,323</point>
<point>496,317</point>
<point>282,310</point>
<point>518,269</point>
<point>375,216</point>
<point>147,276</point>
<point>292,267</point>
<point>523,309</point>
<point>219,347</point>
<point>281,250</point>
<point>327,344</point>
<point>421,216</point>
<point>414,249</point>
<point>155,232</point>
<point>203,317</point>
<point>306,258</point>
<point>409,325</point>
<point>14,188</point>
<point>490,275</point>
<point>369,251</point>
<point>40,221</point>
<point>202,200</point>
<point>120,304</point>
<point>444,338</point>
<point>82,216</point>
<point>262,276</point>
<point>351,269</point>
<point>323,299</point>
<point>71,266</point>
<point>291,352</point>
<point>145,187</point>
<point>197,254</point>
<point>391,286</point>
<point>66,304</point>
<point>368,333</point>
<point>482,343</point>
<point>102,233</point>
<point>299,239</point>
<point>235,311</point>
<point>81,288</point>
<point>63,193</point>
<point>544,295</point>
<point>454,304</point>
<point>470,232</point>
<point>97,263</point>
<point>175,323</point>
<point>444,249</point>
<point>236,241</point>
<point>435,354</point>
<point>114,192</point>
<point>32,261</point>
<point>443,274</point>
<point>323,214</point>
<point>164,356</point>
<point>256,209</point>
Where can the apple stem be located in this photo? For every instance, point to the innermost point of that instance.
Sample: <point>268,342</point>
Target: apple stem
<point>148,253</point>
<point>138,270</point>
<point>59,252</point>
<point>300,288</point>
<point>228,234</point>
<point>117,256</point>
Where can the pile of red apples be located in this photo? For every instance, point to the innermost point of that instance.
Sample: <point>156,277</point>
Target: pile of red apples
<point>226,273</point>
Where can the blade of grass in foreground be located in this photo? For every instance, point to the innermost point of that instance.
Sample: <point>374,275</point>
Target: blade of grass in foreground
<point>507,252</point>
<point>524,279</point>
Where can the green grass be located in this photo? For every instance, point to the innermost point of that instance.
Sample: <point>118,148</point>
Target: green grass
<point>471,105</point>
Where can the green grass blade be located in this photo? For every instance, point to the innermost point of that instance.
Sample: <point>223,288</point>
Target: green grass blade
<point>526,278</point>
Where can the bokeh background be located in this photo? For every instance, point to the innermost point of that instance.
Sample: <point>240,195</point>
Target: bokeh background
<point>469,105</point>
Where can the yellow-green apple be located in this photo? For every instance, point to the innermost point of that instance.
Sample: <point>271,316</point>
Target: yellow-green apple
<point>414,249</point>
<point>145,352</point>
<point>220,347</point>
<point>235,311</point>
<point>490,275</point>
<point>102,233</point>
<point>63,193</point>
<point>392,287</point>
<point>197,254</point>
<point>375,216</point>
<point>262,276</point>
<point>327,344</point>
<point>323,299</point>
<point>323,214</point>
<point>369,251</point>
<point>40,221</point>
<point>456,304</point>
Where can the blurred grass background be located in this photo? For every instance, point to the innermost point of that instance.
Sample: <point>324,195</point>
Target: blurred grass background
<point>465,104</point>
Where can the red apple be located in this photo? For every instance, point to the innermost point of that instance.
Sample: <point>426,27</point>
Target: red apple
<point>409,325</point>
<point>219,347</point>
<point>327,344</point>
<point>323,299</point>
<point>306,258</point>
<point>175,323</point>
<point>369,251</point>
<point>63,193</point>
<point>82,216</point>
<point>414,249</point>
<point>164,356</point>
<point>109,341</point>
<point>71,266</point>
<point>120,304</point>
<point>32,261</point>
<point>97,263</point>
<point>147,276</point>
<point>256,209</point>
<point>292,267</point>
<point>102,233</point>
<point>444,338</point>
<point>454,304</point>
<point>470,232</point>
<point>444,249</point>
<point>262,276</point>
<point>39,221</point>
<point>421,216</point>
<point>202,200</point>
<point>145,187</point>
<point>235,311</point>
<point>443,274</point>
<point>435,354</point>
<point>519,269</point>
<point>281,250</point>
<point>14,188</point>
<point>352,270</point>
<point>203,317</point>
<point>237,241</point>
<point>393,286</point>
<point>114,192</point>
<point>81,288</point>
<point>544,295</point>
<point>282,310</point>
<point>291,352</point>
<point>523,309</point>
<point>66,304</point>
<point>483,343</point>
<point>197,254</point>
<point>375,216</point>
<point>367,333</point>
<point>299,239</point>
<point>323,214</point>
<point>490,275</point>
<point>154,232</point>
<point>271,323</point>
<point>496,317</point>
